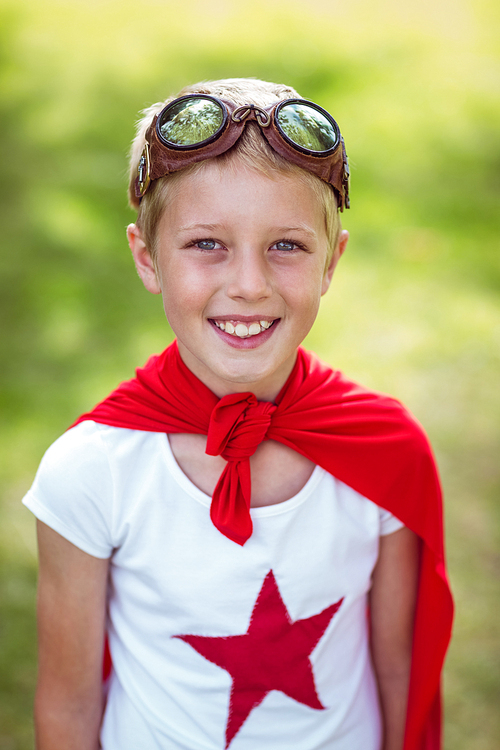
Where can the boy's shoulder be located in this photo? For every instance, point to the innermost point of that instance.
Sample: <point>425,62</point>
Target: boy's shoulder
<point>76,448</point>
<point>71,489</point>
<point>89,444</point>
<point>86,458</point>
<point>86,482</point>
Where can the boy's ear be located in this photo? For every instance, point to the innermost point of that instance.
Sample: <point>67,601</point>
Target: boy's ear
<point>337,254</point>
<point>142,259</point>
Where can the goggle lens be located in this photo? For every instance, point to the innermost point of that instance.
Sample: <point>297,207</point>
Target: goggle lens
<point>307,127</point>
<point>191,122</point>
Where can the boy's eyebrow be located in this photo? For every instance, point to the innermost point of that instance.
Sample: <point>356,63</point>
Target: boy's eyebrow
<point>299,228</point>
<point>279,229</point>
<point>207,227</point>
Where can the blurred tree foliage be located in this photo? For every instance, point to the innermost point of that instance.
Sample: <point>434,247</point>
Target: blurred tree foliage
<point>415,311</point>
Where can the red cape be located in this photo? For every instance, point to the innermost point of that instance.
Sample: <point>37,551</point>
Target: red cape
<point>365,439</point>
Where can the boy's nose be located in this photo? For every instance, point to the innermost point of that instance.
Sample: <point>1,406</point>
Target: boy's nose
<point>250,278</point>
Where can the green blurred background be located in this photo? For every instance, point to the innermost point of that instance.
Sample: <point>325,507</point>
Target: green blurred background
<point>414,309</point>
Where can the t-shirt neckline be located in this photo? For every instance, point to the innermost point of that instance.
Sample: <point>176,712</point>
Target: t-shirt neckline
<point>264,510</point>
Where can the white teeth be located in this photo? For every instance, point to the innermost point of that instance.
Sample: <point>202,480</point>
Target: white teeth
<point>242,330</point>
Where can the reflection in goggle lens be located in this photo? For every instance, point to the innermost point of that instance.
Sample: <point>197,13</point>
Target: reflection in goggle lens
<point>306,127</point>
<point>191,122</point>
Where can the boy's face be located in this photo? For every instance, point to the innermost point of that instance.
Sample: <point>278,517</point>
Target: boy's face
<point>239,251</point>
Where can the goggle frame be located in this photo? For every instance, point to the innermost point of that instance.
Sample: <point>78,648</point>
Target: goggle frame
<point>161,157</point>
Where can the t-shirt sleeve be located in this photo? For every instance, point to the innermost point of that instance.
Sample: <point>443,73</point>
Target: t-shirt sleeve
<point>388,522</point>
<point>73,490</point>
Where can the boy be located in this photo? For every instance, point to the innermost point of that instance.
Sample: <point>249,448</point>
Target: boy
<point>227,516</point>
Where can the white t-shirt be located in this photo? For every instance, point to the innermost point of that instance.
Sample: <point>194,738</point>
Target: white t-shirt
<point>216,645</point>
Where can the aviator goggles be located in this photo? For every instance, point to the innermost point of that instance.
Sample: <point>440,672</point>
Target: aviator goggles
<point>199,126</point>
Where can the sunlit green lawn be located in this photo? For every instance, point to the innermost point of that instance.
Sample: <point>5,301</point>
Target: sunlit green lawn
<point>414,309</point>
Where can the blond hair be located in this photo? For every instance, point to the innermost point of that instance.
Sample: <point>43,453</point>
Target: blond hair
<point>251,151</point>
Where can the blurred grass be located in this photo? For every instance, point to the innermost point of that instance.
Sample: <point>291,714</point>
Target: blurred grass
<point>414,309</point>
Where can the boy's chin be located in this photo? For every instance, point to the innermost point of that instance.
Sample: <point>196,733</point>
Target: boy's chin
<point>234,373</point>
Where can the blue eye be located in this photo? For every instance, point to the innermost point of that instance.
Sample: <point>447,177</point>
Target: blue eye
<point>206,244</point>
<point>286,246</point>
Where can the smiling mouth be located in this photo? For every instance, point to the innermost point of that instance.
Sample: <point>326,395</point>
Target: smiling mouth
<point>242,330</point>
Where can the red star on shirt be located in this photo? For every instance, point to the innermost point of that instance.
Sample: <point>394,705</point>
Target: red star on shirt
<point>272,655</point>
